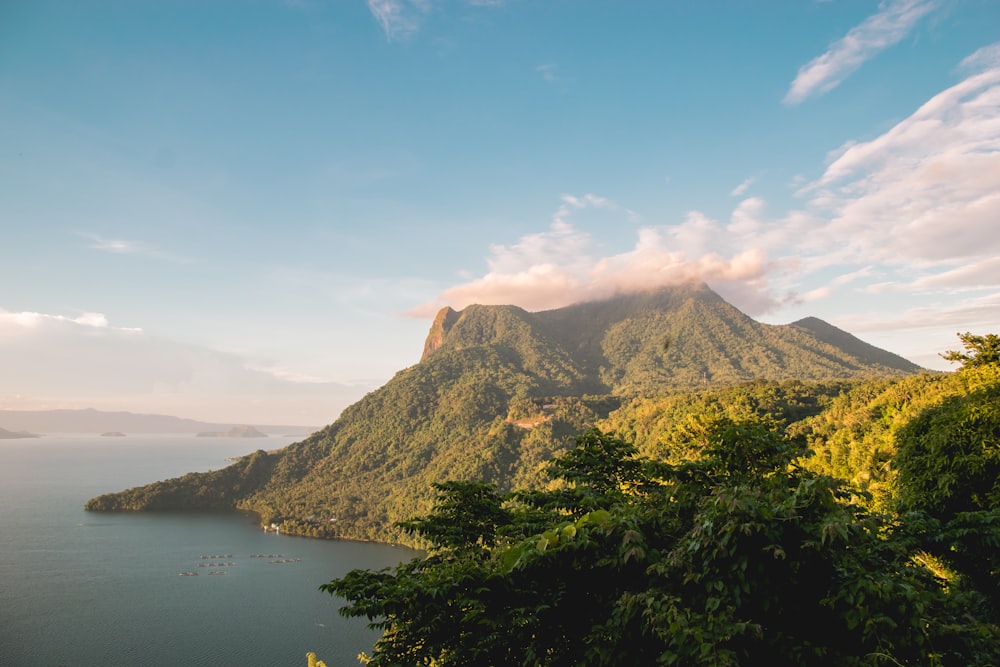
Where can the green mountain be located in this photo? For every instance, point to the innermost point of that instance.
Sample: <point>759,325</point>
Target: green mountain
<point>498,392</point>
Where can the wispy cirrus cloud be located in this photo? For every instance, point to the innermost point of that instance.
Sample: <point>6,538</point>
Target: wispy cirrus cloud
<point>973,312</point>
<point>400,19</point>
<point>117,246</point>
<point>893,21</point>
<point>571,203</point>
<point>551,73</point>
<point>28,321</point>
<point>985,58</point>
<point>128,247</point>
<point>741,189</point>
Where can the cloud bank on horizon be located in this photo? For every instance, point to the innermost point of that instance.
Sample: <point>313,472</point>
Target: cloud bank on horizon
<point>116,366</point>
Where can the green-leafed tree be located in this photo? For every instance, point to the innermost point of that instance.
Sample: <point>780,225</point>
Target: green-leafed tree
<point>738,557</point>
<point>979,350</point>
<point>947,482</point>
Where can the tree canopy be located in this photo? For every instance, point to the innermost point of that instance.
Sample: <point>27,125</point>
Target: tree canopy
<point>739,556</point>
<point>979,350</point>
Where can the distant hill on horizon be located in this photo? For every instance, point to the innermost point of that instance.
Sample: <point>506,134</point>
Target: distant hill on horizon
<point>97,422</point>
<point>12,435</point>
<point>500,390</point>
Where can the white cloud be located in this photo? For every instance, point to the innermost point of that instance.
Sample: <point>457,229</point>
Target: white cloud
<point>572,203</point>
<point>741,189</point>
<point>987,57</point>
<point>117,246</point>
<point>973,277</point>
<point>976,275</point>
<point>893,21</point>
<point>561,266</point>
<point>817,294</point>
<point>925,192</point>
<point>548,72</point>
<point>23,322</point>
<point>747,217</point>
<point>400,19</point>
<point>853,276</point>
<point>125,247</point>
<point>287,375</point>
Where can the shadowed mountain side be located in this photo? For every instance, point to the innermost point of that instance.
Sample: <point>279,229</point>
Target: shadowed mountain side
<point>867,353</point>
<point>499,391</point>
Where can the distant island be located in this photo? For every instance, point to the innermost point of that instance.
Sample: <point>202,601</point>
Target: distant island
<point>10,435</point>
<point>97,421</point>
<point>113,434</point>
<point>234,432</point>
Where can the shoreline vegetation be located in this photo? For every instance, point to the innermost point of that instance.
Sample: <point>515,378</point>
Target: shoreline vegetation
<point>850,428</point>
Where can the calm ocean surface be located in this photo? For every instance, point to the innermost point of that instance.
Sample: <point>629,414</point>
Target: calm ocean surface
<point>99,589</point>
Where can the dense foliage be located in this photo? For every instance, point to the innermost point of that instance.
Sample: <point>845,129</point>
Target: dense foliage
<point>979,350</point>
<point>730,543</point>
<point>736,557</point>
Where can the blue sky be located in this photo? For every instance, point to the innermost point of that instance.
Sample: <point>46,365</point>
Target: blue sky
<point>249,211</point>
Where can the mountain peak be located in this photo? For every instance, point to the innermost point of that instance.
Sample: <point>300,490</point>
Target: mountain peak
<point>442,324</point>
<point>680,337</point>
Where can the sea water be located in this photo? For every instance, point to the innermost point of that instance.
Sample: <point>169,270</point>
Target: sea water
<point>104,589</point>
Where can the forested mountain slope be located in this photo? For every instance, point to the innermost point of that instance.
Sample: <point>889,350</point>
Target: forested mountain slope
<point>500,390</point>
<point>678,338</point>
